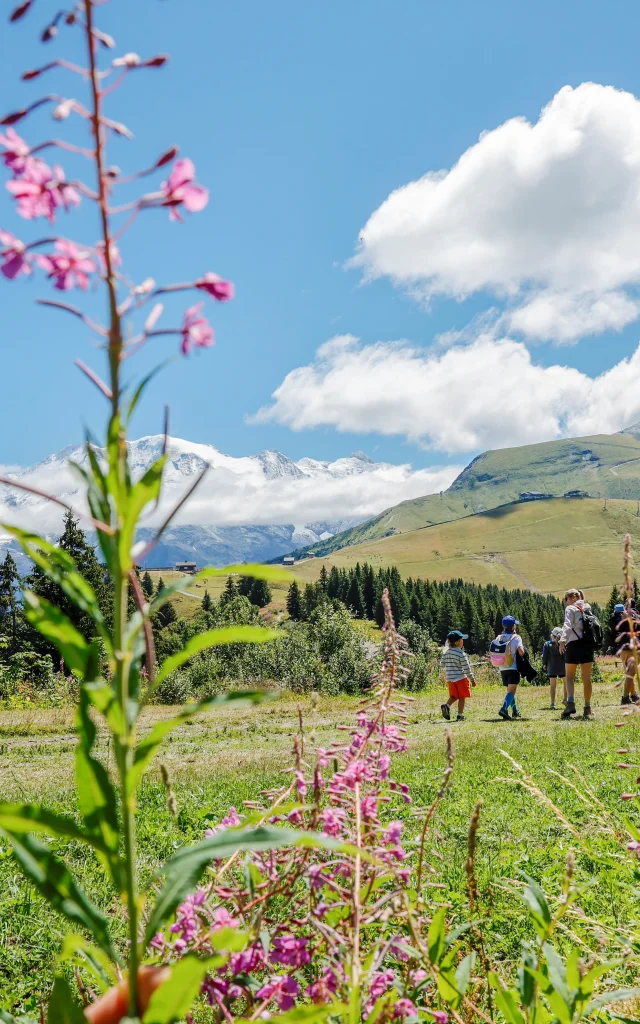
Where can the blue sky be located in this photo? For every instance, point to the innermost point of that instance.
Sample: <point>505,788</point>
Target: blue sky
<point>301,119</point>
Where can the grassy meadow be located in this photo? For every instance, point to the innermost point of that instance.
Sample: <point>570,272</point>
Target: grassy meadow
<point>229,755</point>
<point>540,545</point>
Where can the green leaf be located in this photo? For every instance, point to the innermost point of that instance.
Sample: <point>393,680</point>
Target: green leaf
<point>526,983</point>
<point>55,882</point>
<point>557,972</point>
<point>435,937</point>
<point>147,489</point>
<point>24,818</point>
<point>8,1018</point>
<point>142,386</point>
<point>63,1008</point>
<point>272,573</point>
<point>507,1001</point>
<point>619,995</point>
<point>538,906</point>
<point>306,1014</point>
<point>148,746</point>
<point>183,870</point>
<point>447,987</point>
<point>78,951</point>
<point>587,983</point>
<point>56,627</point>
<point>463,973</point>
<point>172,1000</point>
<point>96,794</point>
<point>213,638</point>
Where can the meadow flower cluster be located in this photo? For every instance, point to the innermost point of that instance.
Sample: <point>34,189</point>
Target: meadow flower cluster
<point>321,921</point>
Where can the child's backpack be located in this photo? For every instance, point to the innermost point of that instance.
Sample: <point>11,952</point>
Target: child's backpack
<point>591,629</point>
<point>500,651</point>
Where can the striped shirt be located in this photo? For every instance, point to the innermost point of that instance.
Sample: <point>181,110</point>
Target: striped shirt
<point>456,665</point>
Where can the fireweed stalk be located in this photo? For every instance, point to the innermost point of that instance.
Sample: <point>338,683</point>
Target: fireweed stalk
<point>325,925</point>
<point>117,672</point>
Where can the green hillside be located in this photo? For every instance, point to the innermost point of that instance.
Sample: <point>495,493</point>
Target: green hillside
<point>544,545</point>
<point>605,466</point>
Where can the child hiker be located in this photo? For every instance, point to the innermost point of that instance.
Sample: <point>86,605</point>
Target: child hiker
<point>457,671</point>
<point>554,666</point>
<point>503,651</point>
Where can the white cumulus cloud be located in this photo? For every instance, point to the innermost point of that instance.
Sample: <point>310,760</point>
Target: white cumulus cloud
<point>545,216</point>
<point>489,394</point>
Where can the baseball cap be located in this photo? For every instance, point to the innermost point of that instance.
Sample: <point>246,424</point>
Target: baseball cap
<point>455,634</point>
<point>556,631</point>
<point>618,607</point>
<point>509,620</point>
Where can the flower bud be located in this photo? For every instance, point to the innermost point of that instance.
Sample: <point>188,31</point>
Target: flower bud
<point>70,18</point>
<point>129,60</point>
<point>49,33</point>
<point>157,61</point>
<point>147,286</point>
<point>112,172</point>
<point>15,117</point>
<point>102,37</point>
<point>62,111</point>
<point>31,73</point>
<point>167,157</point>
<point>19,11</point>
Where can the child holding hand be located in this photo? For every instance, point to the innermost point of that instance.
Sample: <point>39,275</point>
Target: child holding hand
<point>457,671</point>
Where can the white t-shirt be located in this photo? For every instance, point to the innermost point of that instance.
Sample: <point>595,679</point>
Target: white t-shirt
<point>515,642</point>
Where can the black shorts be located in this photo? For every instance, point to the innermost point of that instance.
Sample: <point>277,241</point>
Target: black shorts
<point>578,652</point>
<point>511,677</point>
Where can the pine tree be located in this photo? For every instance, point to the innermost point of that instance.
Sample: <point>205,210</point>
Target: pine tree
<point>310,601</point>
<point>610,642</point>
<point>333,584</point>
<point>260,593</point>
<point>354,600</point>
<point>294,602</point>
<point>9,582</point>
<point>369,592</point>
<point>167,614</point>
<point>207,603</point>
<point>245,583</point>
<point>147,586</point>
<point>323,580</point>
<point>230,591</point>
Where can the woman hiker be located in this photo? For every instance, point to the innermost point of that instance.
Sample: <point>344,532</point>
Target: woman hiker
<point>578,650</point>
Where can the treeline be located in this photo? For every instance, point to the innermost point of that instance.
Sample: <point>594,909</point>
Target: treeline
<point>436,607</point>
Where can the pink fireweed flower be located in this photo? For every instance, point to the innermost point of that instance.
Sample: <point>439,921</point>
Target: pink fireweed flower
<point>369,807</point>
<point>247,961</point>
<point>223,919</point>
<point>290,951</point>
<point>332,821</point>
<point>195,330</point>
<point>404,1008</point>
<point>16,153</point>
<point>13,256</point>
<point>633,845</point>
<point>324,989</point>
<point>301,785</point>
<point>215,286</point>
<point>180,189</point>
<point>323,758</point>
<point>380,982</point>
<point>439,1016</point>
<point>392,833</point>
<point>282,989</point>
<point>70,265</point>
<point>186,923</point>
<point>42,191</point>
<point>418,976</point>
<point>158,942</point>
<point>384,765</point>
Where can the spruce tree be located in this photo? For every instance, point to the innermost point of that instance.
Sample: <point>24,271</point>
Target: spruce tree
<point>245,584</point>
<point>294,602</point>
<point>9,584</point>
<point>207,603</point>
<point>354,600</point>
<point>230,591</point>
<point>323,580</point>
<point>610,640</point>
<point>369,592</point>
<point>260,593</point>
<point>147,586</point>
<point>167,614</point>
<point>333,584</point>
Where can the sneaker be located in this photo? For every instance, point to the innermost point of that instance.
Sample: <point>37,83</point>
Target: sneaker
<point>504,714</point>
<point>515,713</point>
<point>633,697</point>
<point>588,713</point>
<point>446,712</point>
<point>552,707</point>
<point>461,718</point>
<point>625,700</point>
<point>569,710</point>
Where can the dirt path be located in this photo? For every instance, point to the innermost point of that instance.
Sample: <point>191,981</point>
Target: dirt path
<point>627,462</point>
<point>490,558</point>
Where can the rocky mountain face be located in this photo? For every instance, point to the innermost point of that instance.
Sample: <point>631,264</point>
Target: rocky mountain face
<point>204,540</point>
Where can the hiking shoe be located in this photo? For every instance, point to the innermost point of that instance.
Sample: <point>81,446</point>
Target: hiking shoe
<point>552,707</point>
<point>633,697</point>
<point>515,713</point>
<point>461,718</point>
<point>446,712</point>
<point>625,700</point>
<point>504,714</point>
<point>588,713</point>
<point>569,710</point>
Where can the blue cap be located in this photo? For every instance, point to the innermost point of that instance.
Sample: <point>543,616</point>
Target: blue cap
<point>454,634</point>
<point>618,607</point>
<point>509,620</point>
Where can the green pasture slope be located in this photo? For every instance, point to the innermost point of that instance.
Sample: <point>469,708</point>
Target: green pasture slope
<point>605,466</point>
<point>230,755</point>
<point>544,545</point>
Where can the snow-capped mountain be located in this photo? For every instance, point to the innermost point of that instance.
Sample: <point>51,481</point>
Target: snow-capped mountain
<point>250,508</point>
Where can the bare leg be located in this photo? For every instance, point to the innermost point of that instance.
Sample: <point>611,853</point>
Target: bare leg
<point>570,683</point>
<point>585,672</point>
<point>461,705</point>
<point>451,701</point>
<point>564,689</point>
<point>552,687</point>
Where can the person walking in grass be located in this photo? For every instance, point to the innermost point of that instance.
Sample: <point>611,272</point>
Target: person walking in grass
<point>627,655</point>
<point>577,645</point>
<point>503,652</point>
<point>554,665</point>
<point>457,672</point>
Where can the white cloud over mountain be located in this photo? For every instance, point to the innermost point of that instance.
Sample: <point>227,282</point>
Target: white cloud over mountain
<point>489,394</point>
<point>545,216</point>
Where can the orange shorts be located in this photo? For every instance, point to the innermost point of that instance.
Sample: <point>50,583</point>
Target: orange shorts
<point>459,689</point>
